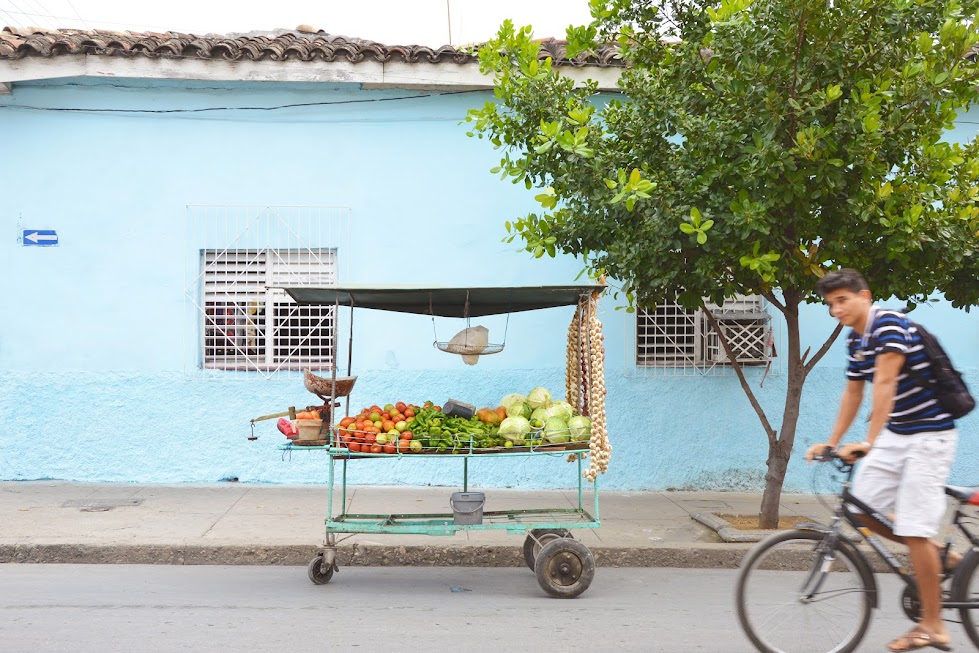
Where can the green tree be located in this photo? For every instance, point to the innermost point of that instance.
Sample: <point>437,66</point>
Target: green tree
<point>754,145</point>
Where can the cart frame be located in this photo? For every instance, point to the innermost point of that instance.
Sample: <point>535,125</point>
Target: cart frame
<point>564,566</point>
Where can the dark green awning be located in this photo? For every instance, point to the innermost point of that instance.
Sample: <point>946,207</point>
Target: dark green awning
<point>444,302</point>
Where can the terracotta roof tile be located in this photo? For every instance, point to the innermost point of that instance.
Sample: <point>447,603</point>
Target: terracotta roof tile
<point>277,45</point>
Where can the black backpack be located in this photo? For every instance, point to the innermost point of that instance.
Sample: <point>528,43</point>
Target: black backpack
<point>948,386</point>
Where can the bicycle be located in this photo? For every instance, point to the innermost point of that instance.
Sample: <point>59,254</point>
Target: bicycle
<point>827,602</point>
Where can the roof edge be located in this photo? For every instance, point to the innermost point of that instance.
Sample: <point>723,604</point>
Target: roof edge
<point>33,54</point>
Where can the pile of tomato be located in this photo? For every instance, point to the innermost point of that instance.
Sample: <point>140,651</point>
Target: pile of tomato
<point>379,429</point>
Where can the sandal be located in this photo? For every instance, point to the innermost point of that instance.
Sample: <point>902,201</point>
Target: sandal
<point>917,638</point>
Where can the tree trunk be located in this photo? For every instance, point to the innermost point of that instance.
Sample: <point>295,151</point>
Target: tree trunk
<point>780,449</point>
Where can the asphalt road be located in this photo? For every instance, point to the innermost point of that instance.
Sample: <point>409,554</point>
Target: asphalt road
<point>107,608</point>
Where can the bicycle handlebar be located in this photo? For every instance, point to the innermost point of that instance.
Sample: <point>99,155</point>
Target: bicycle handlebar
<point>831,456</point>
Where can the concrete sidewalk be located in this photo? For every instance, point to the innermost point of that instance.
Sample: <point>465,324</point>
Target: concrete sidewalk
<point>45,521</point>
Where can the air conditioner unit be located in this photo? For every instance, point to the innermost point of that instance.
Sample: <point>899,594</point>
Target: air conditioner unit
<point>747,338</point>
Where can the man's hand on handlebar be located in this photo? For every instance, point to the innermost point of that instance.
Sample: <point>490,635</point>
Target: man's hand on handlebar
<point>848,453</point>
<point>851,452</point>
<point>818,451</point>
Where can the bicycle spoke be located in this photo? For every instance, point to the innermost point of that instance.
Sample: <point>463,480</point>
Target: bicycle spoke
<point>791,600</point>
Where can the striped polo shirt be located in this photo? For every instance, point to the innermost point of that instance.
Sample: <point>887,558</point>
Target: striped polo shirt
<point>916,409</point>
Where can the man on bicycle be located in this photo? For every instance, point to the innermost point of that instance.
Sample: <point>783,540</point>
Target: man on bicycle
<point>910,441</point>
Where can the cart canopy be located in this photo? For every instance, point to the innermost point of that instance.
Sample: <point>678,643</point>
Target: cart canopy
<point>443,302</point>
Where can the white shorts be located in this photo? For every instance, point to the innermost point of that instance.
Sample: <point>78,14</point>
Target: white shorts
<point>906,475</point>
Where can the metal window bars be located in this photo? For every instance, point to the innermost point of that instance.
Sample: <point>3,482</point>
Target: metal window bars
<point>243,324</point>
<point>673,341</point>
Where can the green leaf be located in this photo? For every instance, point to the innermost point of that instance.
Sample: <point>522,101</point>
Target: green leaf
<point>701,237</point>
<point>924,43</point>
<point>870,122</point>
<point>687,228</point>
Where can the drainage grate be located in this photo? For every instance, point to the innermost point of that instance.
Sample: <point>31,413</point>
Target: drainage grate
<point>100,506</point>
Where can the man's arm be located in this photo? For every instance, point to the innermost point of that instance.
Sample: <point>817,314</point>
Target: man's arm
<point>886,370</point>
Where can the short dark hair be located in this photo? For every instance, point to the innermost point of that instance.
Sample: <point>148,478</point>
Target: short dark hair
<point>845,279</point>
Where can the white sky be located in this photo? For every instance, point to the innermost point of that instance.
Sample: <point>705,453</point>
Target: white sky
<point>392,22</point>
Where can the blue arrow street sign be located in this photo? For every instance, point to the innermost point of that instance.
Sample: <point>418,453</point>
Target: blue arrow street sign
<point>41,237</point>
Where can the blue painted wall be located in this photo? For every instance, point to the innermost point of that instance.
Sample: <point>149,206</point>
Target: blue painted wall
<point>95,333</point>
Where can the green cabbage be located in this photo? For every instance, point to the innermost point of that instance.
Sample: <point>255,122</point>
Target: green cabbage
<point>512,398</point>
<point>560,409</point>
<point>580,428</point>
<point>519,409</point>
<point>539,398</point>
<point>515,429</point>
<point>556,430</point>
<point>540,414</point>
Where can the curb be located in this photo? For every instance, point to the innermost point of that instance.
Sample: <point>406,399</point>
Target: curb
<point>726,531</point>
<point>702,557</point>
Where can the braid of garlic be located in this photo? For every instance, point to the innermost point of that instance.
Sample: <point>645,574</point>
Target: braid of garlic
<point>599,446</point>
<point>572,378</point>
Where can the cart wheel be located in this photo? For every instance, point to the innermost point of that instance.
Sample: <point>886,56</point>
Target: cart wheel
<point>317,573</point>
<point>565,568</point>
<point>532,547</point>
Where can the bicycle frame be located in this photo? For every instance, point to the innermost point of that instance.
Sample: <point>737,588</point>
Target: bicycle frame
<point>845,512</point>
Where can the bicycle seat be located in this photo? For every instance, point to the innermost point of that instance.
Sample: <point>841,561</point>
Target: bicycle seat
<point>968,495</point>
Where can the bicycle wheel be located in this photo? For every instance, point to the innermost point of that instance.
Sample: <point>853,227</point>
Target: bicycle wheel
<point>775,580</point>
<point>966,588</point>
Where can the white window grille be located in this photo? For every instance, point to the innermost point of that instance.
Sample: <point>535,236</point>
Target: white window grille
<point>671,336</point>
<point>248,326</point>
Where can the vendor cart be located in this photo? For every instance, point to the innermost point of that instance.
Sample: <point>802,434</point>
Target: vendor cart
<point>564,566</point>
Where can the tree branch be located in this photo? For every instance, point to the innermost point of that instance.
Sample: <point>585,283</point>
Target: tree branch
<point>822,350</point>
<point>795,72</point>
<point>772,299</point>
<point>769,431</point>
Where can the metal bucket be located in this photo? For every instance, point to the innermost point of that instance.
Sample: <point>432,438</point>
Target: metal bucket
<point>467,508</point>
